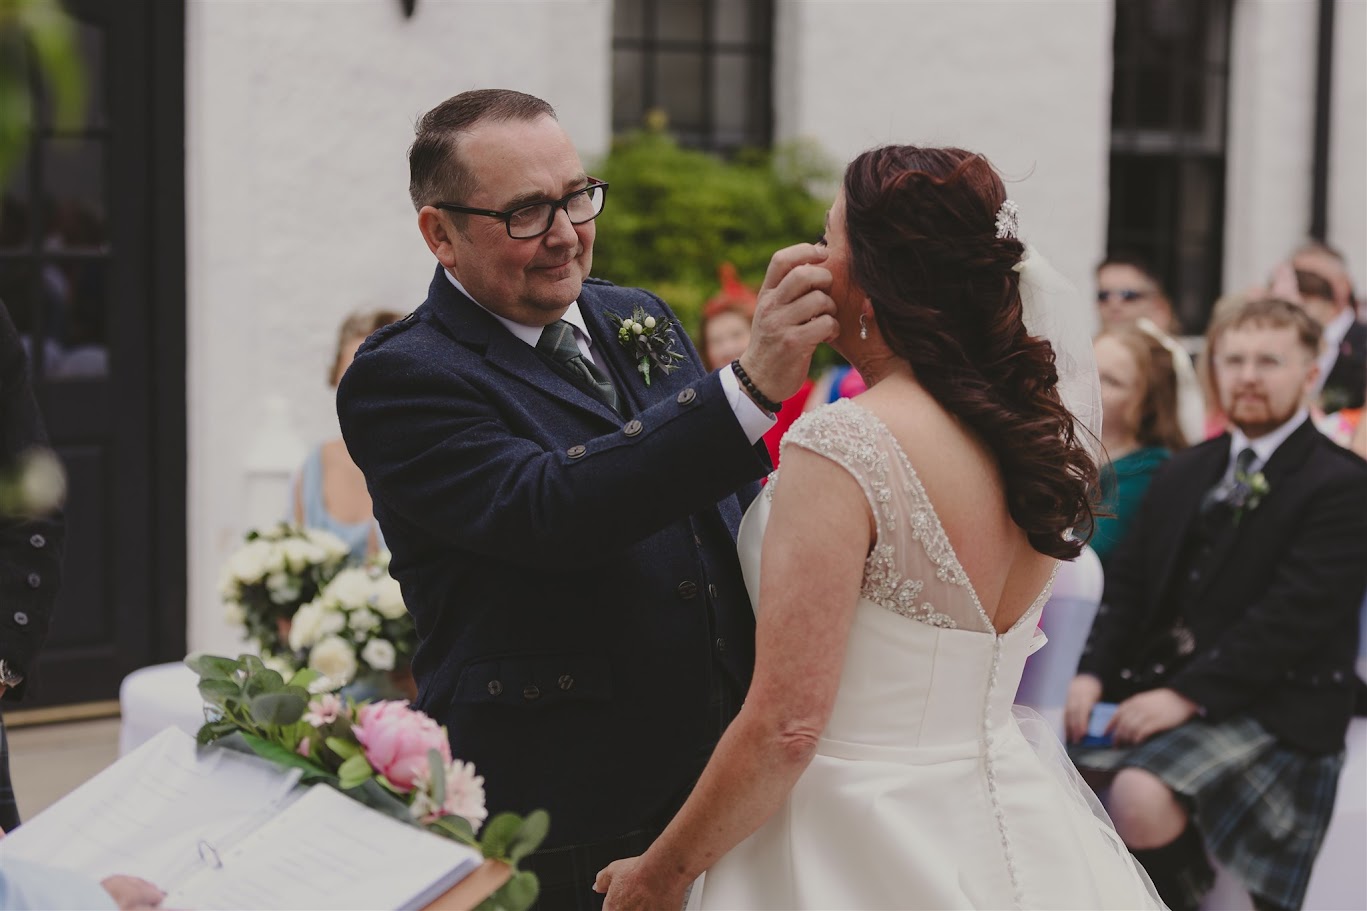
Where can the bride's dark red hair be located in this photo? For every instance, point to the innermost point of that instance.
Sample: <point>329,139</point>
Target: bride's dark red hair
<point>923,246</point>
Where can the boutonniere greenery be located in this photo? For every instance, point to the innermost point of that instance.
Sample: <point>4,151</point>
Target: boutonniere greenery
<point>649,340</point>
<point>1249,490</point>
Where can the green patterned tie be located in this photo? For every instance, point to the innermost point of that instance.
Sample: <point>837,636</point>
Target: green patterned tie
<point>557,342</point>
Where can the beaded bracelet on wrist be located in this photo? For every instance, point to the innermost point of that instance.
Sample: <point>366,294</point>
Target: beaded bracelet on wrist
<point>760,398</point>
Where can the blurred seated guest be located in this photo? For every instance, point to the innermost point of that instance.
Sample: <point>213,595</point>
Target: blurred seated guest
<point>1216,423</point>
<point>1326,293</point>
<point>723,336</point>
<point>329,492</point>
<point>1128,288</point>
<point>25,886</point>
<point>1228,631</point>
<point>1139,428</point>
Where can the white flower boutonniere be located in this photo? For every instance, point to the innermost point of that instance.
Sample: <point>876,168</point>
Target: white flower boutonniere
<point>649,340</point>
<point>1249,490</point>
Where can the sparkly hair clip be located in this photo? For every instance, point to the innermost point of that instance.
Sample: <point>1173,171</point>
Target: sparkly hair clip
<point>1008,221</point>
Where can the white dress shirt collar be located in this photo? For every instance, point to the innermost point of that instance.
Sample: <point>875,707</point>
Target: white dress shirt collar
<point>1264,445</point>
<point>532,334</point>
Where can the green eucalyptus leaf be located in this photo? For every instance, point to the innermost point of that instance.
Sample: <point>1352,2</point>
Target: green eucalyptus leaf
<point>457,828</point>
<point>281,756</point>
<point>265,681</point>
<point>517,894</point>
<point>219,692</point>
<point>529,835</point>
<point>354,772</point>
<point>212,667</point>
<point>344,748</point>
<point>499,833</point>
<point>372,795</point>
<point>437,770</point>
<point>278,708</point>
<point>304,676</point>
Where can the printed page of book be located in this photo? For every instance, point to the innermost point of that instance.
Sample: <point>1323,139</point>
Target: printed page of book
<point>327,850</point>
<point>147,814</point>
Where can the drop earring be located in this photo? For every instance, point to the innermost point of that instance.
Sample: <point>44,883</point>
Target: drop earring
<point>863,328</point>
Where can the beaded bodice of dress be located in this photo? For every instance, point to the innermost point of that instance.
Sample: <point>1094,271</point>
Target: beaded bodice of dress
<point>924,664</point>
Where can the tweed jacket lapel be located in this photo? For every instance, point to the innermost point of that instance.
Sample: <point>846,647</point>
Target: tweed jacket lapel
<point>472,326</point>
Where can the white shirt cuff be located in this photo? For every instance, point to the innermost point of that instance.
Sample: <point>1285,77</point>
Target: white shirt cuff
<point>754,420</point>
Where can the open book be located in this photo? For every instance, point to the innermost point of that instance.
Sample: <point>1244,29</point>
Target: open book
<point>221,829</point>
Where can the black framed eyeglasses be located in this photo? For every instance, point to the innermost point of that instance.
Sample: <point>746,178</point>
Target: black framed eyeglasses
<point>535,219</point>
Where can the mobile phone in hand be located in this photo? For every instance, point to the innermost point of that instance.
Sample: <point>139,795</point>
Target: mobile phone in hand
<point>1096,735</point>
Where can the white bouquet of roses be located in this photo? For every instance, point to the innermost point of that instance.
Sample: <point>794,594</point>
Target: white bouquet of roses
<point>357,626</point>
<point>272,574</point>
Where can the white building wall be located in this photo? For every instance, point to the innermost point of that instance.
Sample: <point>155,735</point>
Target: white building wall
<point>1028,84</point>
<point>1348,140</point>
<point>298,118</point>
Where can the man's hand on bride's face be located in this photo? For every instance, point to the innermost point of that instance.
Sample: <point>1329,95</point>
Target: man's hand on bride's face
<point>629,888</point>
<point>793,315</point>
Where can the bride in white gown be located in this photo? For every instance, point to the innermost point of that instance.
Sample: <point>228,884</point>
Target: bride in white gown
<point>898,565</point>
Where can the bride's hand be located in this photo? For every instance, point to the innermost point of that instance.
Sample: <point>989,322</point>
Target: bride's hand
<point>629,889</point>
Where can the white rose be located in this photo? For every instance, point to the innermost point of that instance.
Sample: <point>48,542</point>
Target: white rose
<point>248,563</point>
<point>379,654</point>
<point>650,322</point>
<point>334,658</point>
<point>299,554</point>
<point>274,557</point>
<point>351,588</point>
<point>234,613</point>
<point>333,546</point>
<point>389,599</point>
<point>307,626</point>
<point>637,328</point>
<point>363,621</point>
<point>42,484</point>
<point>284,588</point>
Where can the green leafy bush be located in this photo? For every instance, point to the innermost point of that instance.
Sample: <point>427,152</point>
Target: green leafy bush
<point>675,215</point>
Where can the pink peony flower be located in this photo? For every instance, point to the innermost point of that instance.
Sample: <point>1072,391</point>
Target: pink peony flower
<point>323,710</point>
<point>397,740</point>
<point>303,748</point>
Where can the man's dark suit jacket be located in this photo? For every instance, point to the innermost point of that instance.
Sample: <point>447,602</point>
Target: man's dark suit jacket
<point>571,571</point>
<point>30,547</point>
<point>1346,383</point>
<point>1276,610</point>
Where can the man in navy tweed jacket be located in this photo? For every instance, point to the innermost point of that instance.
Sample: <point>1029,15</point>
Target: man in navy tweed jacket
<point>567,553</point>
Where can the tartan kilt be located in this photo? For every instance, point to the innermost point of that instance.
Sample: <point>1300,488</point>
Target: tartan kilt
<point>1261,806</point>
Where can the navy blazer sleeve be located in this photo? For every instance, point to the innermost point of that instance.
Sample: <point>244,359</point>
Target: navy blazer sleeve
<point>439,451</point>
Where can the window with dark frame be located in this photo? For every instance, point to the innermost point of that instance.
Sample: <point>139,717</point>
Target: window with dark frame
<point>1169,105</point>
<point>705,64</point>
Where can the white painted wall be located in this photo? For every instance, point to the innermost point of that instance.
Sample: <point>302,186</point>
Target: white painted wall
<point>1348,140</point>
<point>1028,84</point>
<point>298,118</point>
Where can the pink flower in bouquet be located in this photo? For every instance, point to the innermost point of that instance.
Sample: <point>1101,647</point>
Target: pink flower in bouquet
<point>397,740</point>
<point>303,748</point>
<point>323,710</point>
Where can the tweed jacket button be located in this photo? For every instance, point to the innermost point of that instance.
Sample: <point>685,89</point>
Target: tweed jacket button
<point>686,397</point>
<point>34,580</point>
<point>712,590</point>
<point>721,644</point>
<point>697,539</point>
<point>495,687</point>
<point>632,427</point>
<point>565,682</point>
<point>530,692</point>
<point>38,541</point>
<point>21,618</point>
<point>688,590</point>
<point>576,452</point>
